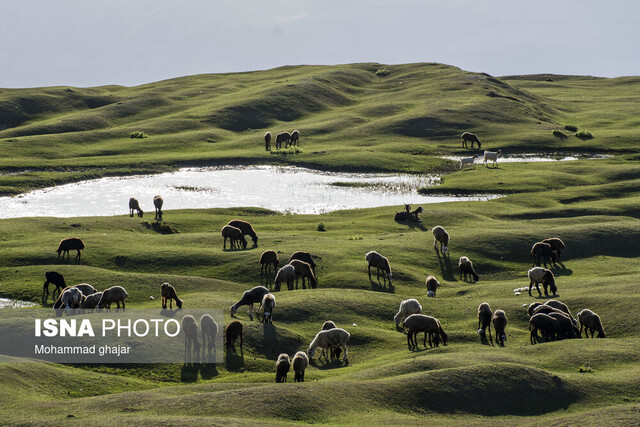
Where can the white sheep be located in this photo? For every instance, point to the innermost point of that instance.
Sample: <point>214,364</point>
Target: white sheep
<point>407,308</point>
<point>286,274</point>
<point>491,156</point>
<point>299,362</point>
<point>468,161</point>
<point>209,328</point>
<point>268,304</point>
<point>374,259</point>
<point>541,275</point>
<point>72,298</point>
<point>336,337</point>
<point>113,294</point>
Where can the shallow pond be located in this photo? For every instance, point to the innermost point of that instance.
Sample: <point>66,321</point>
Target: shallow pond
<point>283,189</point>
<point>14,303</point>
<point>538,157</point>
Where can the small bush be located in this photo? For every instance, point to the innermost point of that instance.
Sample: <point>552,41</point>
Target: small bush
<point>138,134</point>
<point>356,237</point>
<point>286,151</point>
<point>320,227</point>
<point>571,128</point>
<point>559,134</point>
<point>211,140</point>
<point>383,72</point>
<point>584,134</point>
<point>585,369</point>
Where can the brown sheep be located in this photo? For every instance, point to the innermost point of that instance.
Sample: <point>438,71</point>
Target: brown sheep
<point>246,229</point>
<point>157,203</point>
<point>427,324</point>
<point>432,286</point>
<point>545,324</point>
<point>282,137</point>
<point>542,275</point>
<point>113,294</point>
<point>233,331</point>
<point>590,321</point>
<point>267,259</point>
<point>295,137</point>
<point>168,292</point>
<point>374,259</point>
<point>466,267</point>
<point>408,215</point>
<point>55,278</point>
<point>440,235</point>
<point>556,244</point>
<point>304,270</point>
<point>267,141</point>
<point>532,307</point>
<point>70,244</point>
<point>542,250</point>
<point>234,235</point>
<point>299,362</point>
<point>484,320</point>
<point>135,206</point>
<point>334,351</point>
<point>468,136</point>
<point>499,326</point>
<point>306,257</point>
<point>191,343</point>
<point>566,328</point>
<point>283,364</point>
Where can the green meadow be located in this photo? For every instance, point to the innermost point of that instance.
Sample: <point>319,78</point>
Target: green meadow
<point>350,119</point>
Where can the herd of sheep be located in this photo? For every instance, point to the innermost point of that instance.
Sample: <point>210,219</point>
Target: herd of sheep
<point>489,156</point>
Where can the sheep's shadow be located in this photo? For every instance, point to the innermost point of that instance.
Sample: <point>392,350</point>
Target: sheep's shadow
<point>485,341</point>
<point>412,224</point>
<point>169,313</point>
<point>378,287</point>
<point>189,372</point>
<point>328,364</point>
<point>445,266</point>
<point>234,361</point>
<point>208,371</point>
<point>562,271</point>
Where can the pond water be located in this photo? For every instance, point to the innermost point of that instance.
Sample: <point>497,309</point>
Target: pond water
<point>14,303</point>
<point>538,157</point>
<point>283,189</point>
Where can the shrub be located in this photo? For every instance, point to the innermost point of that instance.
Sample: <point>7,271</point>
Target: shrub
<point>138,134</point>
<point>383,72</point>
<point>584,134</point>
<point>320,227</point>
<point>559,134</point>
<point>571,128</point>
<point>585,369</point>
<point>285,151</point>
<point>356,237</point>
<point>211,140</point>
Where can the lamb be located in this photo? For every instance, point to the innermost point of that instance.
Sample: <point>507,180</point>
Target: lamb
<point>499,326</point>
<point>374,259</point>
<point>304,270</point>
<point>268,304</point>
<point>234,235</point>
<point>556,244</point>
<point>209,329</point>
<point>331,338</point>
<point>283,364</point>
<point>168,292</point>
<point>432,286</point>
<point>468,136</point>
<point>56,279</point>
<point>246,229</point>
<point>299,362</point>
<point>440,235</point>
<point>191,343</point>
<point>542,250</point>
<point>69,244</point>
<point>286,274</point>
<point>253,295</point>
<point>306,257</point>
<point>295,137</point>
<point>427,324</point>
<point>91,301</point>
<point>334,351</point>
<point>466,267</point>
<point>113,294</point>
<point>157,203</point>
<point>282,137</point>
<point>590,321</point>
<point>233,331</point>
<point>543,323</point>
<point>267,259</point>
<point>267,141</point>
<point>566,328</point>
<point>85,288</point>
<point>542,275</point>
<point>491,156</point>
<point>484,320</point>
<point>135,206</point>
<point>468,161</point>
<point>409,216</point>
<point>407,308</point>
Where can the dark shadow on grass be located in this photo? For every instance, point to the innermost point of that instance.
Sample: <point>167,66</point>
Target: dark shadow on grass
<point>412,225</point>
<point>381,287</point>
<point>189,372</point>
<point>234,361</point>
<point>208,371</point>
<point>323,364</point>
<point>445,266</point>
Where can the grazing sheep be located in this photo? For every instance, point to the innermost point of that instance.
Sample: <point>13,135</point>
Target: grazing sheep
<point>409,216</point>
<point>590,321</point>
<point>306,257</point>
<point>543,323</point>
<point>286,274</point>
<point>484,320</point>
<point>374,259</point>
<point>191,343</point>
<point>491,156</point>
<point>70,244</point>
<point>135,206</point>
<point>209,329</point>
<point>91,301</point>
<point>561,306</point>
<point>233,331</point>
<point>468,161</point>
<point>330,338</point>
<point>267,259</point>
<point>282,137</point>
<point>532,307</point>
<point>157,203</point>
<point>546,309</point>
<point>72,298</point>
<point>566,328</point>
<point>295,138</point>
<point>246,229</point>
<point>234,235</point>
<point>407,308</point>
<point>283,364</point>
<point>556,244</point>
<point>113,294</point>
<point>85,288</point>
<point>466,267</point>
<point>250,297</point>
<point>304,270</point>
<point>542,275</point>
<point>268,304</point>
<point>499,326</point>
<point>427,324</point>
<point>56,279</point>
<point>299,362</point>
<point>168,292</point>
<point>440,235</point>
<point>267,141</point>
<point>329,324</point>
<point>335,352</point>
<point>432,286</point>
<point>468,136</point>
<point>542,250</point>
